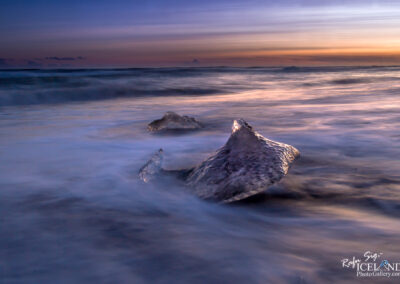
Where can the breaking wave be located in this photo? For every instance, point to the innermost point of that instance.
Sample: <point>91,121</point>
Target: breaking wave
<point>27,87</point>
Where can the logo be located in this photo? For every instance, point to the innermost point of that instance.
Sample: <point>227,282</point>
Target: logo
<point>372,264</point>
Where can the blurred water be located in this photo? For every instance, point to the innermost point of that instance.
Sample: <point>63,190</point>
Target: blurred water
<point>73,211</point>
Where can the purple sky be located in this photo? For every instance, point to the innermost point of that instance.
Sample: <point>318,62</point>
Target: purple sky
<point>183,33</point>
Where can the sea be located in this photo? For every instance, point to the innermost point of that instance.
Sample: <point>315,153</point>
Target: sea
<point>73,210</point>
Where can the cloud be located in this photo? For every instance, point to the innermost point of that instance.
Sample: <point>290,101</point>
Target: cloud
<point>3,62</point>
<point>64,58</point>
<point>32,63</point>
<point>356,58</point>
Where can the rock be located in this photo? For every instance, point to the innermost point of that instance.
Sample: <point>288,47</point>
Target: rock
<point>173,121</point>
<point>246,165</point>
<point>153,167</point>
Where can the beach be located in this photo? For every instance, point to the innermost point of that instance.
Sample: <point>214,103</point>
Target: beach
<point>73,209</point>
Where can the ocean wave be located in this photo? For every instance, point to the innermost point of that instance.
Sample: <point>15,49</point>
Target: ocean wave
<point>43,81</point>
<point>51,96</point>
<point>347,81</point>
<point>28,86</point>
<point>352,81</point>
<point>328,69</point>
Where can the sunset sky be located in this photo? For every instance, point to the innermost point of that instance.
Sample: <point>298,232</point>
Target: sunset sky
<point>52,33</point>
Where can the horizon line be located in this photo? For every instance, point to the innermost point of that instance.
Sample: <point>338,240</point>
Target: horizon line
<point>197,67</point>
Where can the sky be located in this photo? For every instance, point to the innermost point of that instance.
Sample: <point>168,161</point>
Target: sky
<point>159,33</point>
